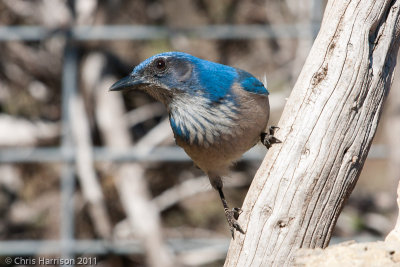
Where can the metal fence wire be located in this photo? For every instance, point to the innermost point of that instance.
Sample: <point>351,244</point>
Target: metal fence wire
<point>67,245</point>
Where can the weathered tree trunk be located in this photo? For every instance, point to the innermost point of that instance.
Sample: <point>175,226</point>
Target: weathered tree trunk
<point>327,128</point>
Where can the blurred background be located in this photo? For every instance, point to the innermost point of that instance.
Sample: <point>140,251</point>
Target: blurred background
<point>89,173</point>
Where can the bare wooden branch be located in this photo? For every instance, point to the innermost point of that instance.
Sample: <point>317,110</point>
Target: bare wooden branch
<point>86,11</point>
<point>178,194</point>
<point>193,187</point>
<point>91,188</point>
<point>129,178</point>
<point>22,132</point>
<point>142,214</point>
<point>144,113</point>
<point>303,11</point>
<point>327,128</point>
<point>154,137</point>
<point>50,13</point>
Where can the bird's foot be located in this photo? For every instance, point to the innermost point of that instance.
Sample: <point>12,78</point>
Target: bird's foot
<point>268,138</point>
<point>232,216</point>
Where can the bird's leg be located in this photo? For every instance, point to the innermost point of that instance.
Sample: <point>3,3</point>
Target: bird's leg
<point>268,138</point>
<point>231,215</point>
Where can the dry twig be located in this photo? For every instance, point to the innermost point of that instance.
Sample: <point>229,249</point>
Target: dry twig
<point>142,214</point>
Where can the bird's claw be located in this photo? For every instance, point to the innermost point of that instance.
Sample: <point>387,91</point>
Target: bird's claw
<point>268,138</point>
<point>231,217</point>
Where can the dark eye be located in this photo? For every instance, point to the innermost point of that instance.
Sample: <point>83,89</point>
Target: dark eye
<point>160,64</point>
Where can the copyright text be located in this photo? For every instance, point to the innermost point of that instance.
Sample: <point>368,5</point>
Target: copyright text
<point>50,261</point>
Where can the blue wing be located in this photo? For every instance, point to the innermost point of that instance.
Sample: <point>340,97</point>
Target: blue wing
<point>216,79</point>
<point>251,83</point>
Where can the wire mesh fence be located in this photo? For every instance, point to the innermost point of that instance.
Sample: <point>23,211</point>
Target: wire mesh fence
<point>67,245</point>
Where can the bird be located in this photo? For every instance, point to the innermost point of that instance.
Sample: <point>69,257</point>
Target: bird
<point>216,112</point>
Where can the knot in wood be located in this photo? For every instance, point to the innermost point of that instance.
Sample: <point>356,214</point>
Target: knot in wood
<point>305,152</point>
<point>284,222</point>
<point>267,210</point>
<point>319,75</point>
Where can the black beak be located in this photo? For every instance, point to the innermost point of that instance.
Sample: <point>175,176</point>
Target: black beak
<point>129,82</point>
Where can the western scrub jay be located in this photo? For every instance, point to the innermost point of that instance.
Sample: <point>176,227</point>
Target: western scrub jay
<point>216,112</point>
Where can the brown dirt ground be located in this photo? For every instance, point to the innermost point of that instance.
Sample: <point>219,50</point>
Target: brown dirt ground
<point>352,254</point>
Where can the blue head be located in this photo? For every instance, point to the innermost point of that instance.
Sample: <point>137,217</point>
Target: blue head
<point>187,84</point>
<point>167,74</point>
